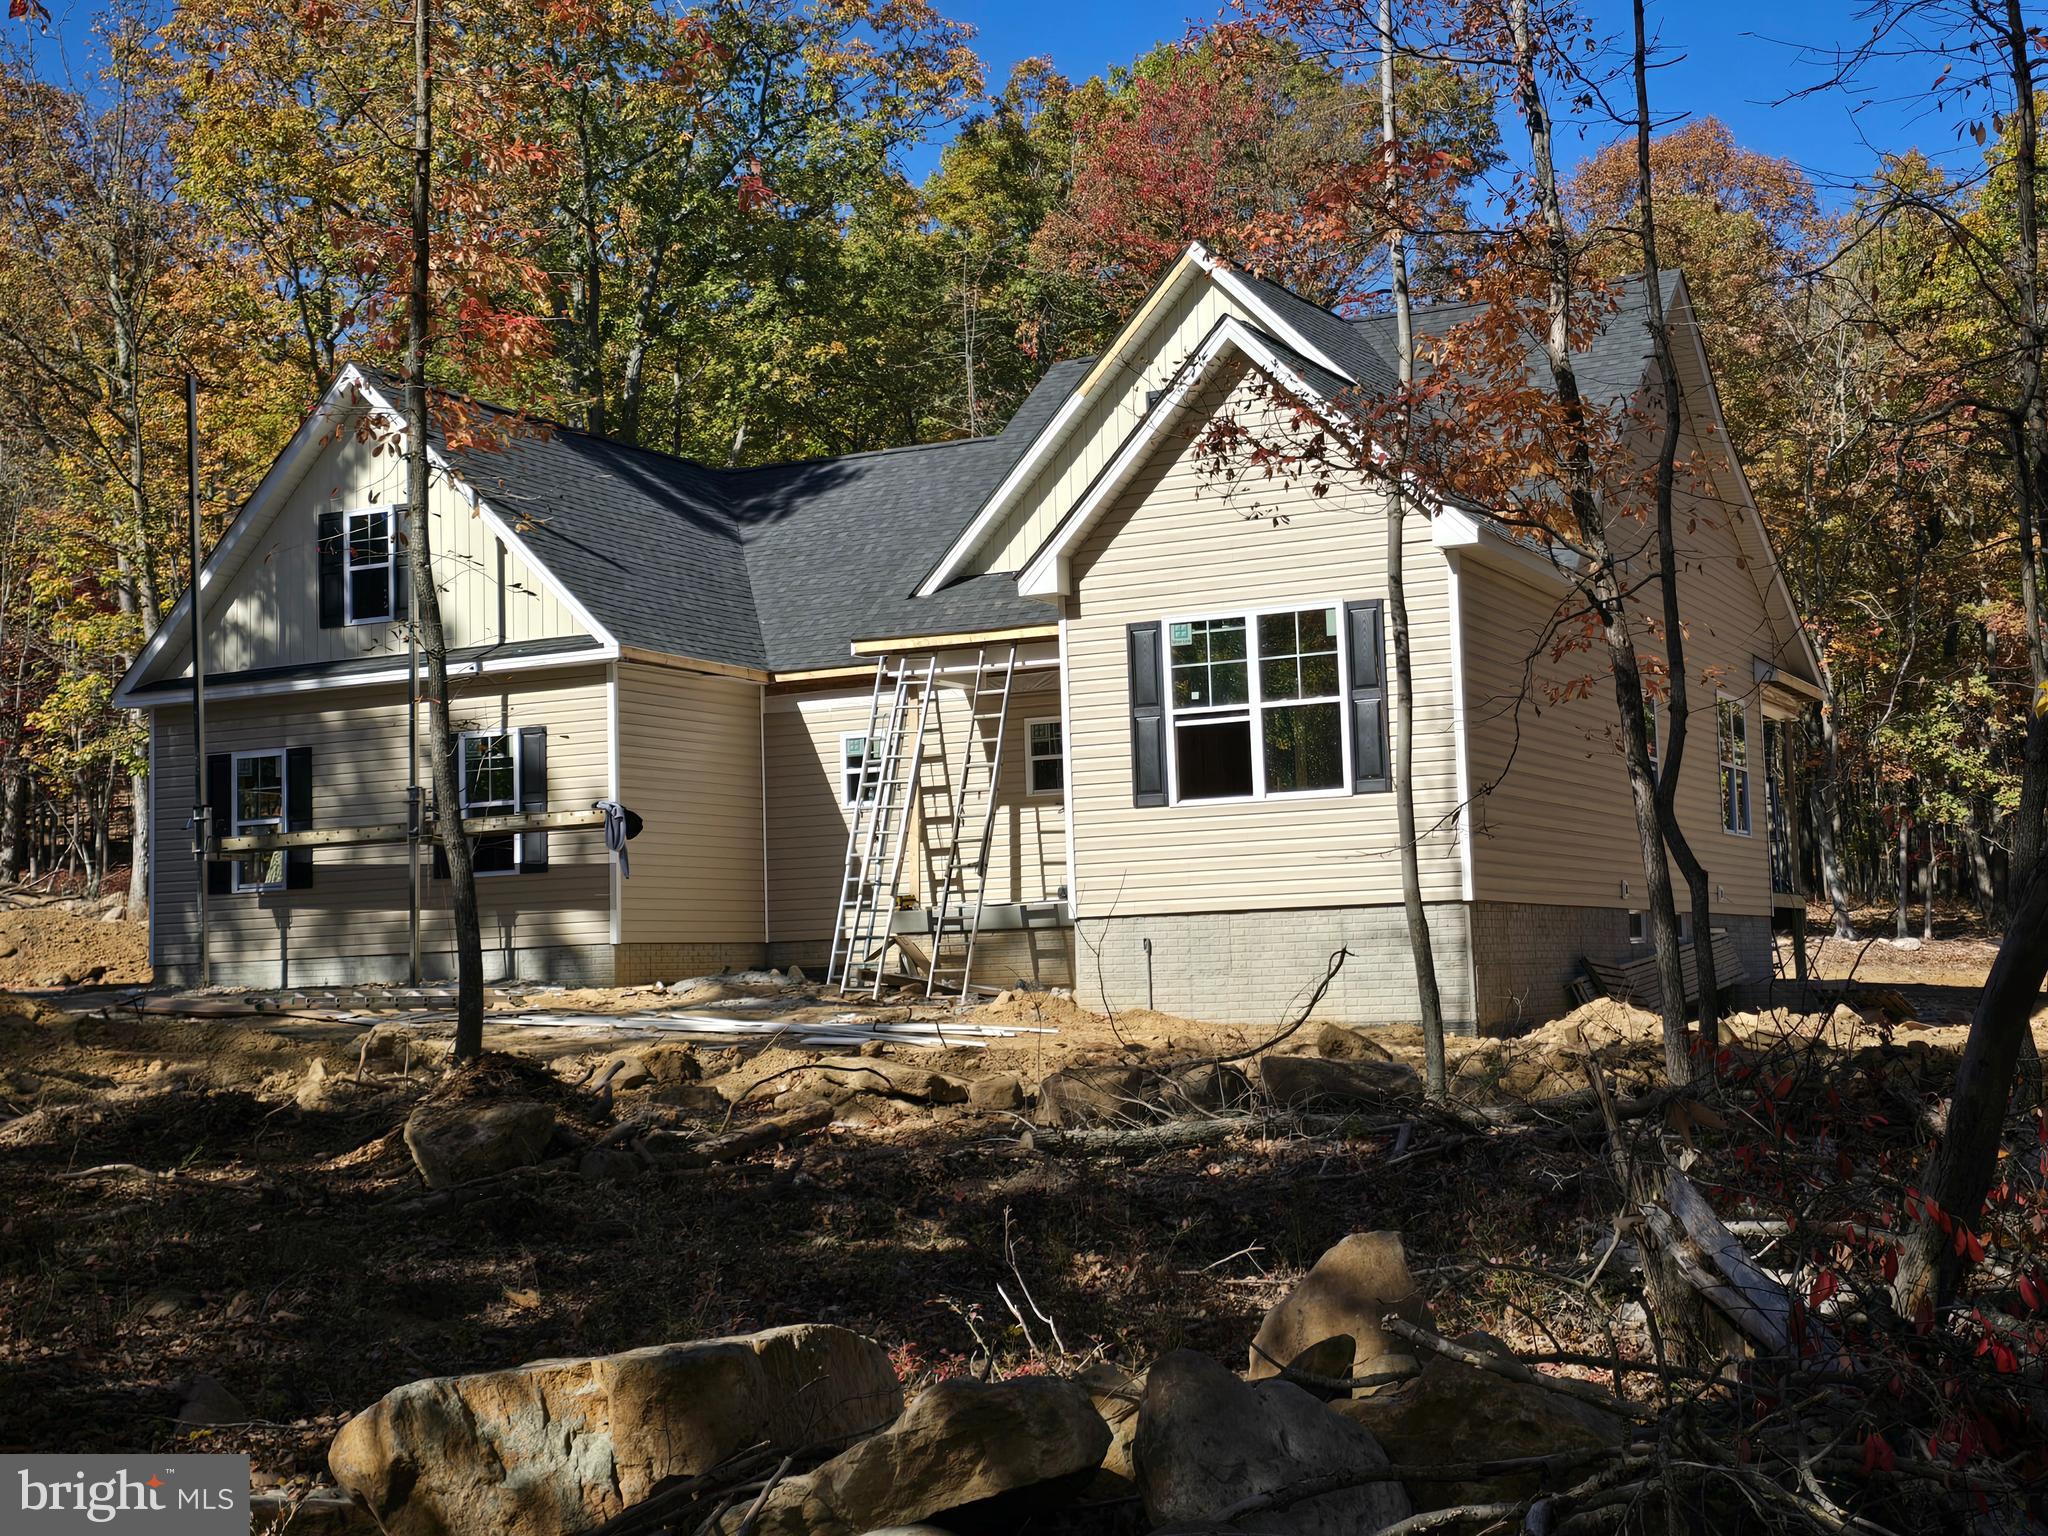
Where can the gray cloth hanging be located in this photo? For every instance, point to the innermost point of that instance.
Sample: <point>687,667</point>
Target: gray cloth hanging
<point>621,826</point>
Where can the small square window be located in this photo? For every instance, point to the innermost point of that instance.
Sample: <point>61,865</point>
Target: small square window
<point>1045,750</point>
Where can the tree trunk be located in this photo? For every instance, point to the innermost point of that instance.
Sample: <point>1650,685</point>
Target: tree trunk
<point>1602,587</point>
<point>14,823</point>
<point>426,599</point>
<point>1902,925</point>
<point>1429,1001</point>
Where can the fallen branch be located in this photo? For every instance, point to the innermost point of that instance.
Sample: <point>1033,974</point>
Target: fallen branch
<point>763,1133</point>
<point>1512,1370</point>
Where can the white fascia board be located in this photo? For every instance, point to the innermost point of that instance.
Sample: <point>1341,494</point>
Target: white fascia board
<point>1235,285</point>
<point>1020,475</point>
<point>287,687</point>
<point>1049,573</point>
<point>1455,530</point>
<point>256,514</point>
<point>503,531</point>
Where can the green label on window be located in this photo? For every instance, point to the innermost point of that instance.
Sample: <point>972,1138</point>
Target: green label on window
<point>1183,634</point>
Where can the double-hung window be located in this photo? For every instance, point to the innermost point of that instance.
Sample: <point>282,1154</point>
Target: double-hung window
<point>1045,757</point>
<point>1256,704</point>
<point>856,780</point>
<point>1734,733</point>
<point>490,787</point>
<point>367,565</point>
<point>259,806</point>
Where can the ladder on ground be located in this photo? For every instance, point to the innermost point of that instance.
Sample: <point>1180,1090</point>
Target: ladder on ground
<point>956,905</point>
<point>877,831</point>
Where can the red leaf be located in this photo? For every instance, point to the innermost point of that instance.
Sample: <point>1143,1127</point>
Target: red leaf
<point>1878,1455</point>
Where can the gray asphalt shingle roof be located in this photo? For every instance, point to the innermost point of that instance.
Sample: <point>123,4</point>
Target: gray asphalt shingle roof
<point>783,567</point>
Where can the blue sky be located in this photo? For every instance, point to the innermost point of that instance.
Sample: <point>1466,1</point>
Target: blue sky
<point>1737,59</point>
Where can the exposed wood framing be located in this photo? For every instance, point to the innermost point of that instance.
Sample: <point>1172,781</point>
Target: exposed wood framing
<point>395,832</point>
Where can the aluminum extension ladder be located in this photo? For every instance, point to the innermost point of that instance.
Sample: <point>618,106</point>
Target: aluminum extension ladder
<point>878,828</point>
<point>956,914</point>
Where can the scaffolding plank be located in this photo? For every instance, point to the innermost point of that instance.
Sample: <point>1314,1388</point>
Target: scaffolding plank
<point>395,832</point>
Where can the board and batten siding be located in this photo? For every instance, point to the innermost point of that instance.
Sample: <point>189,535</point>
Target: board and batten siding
<point>352,921</point>
<point>1556,826</point>
<point>1147,361</point>
<point>808,818</point>
<point>690,767</point>
<point>267,615</point>
<point>1177,544</point>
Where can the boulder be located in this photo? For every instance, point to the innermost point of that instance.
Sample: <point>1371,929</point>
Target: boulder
<point>1333,1042</point>
<point>701,1099</point>
<point>1207,1442</point>
<point>986,1449</point>
<point>898,1079</point>
<point>452,1143</point>
<point>622,1072</point>
<point>1214,1088</point>
<point>1116,1394</point>
<point>997,1093</point>
<point>1343,1298</point>
<point>1092,1096</point>
<point>207,1403</point>
<point>1306,1082</point>
<point>318,1090</point>
<point>613,1164</point>
<point>1454,1412</point>
<point>560,1446</point>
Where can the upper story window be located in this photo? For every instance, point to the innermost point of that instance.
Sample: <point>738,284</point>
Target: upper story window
<point>1045,757</point>
<point>1734,734</point>
<point>1256,703</point>
<point>490,787</point>
<point>259,806</point>
<point>368,565</point>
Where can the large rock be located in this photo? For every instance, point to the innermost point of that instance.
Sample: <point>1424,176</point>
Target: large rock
<point>1102,1095</point>
<point>560,1446</point>
<point>1454,1412</point>
<point>1332,1320</point>
<point>452,1143</point>
<point>1308,1082</point>
<point>1116,1394</point>
<point>899,1079</point>
<point>1207,1443</point>
<point>991,1449</point>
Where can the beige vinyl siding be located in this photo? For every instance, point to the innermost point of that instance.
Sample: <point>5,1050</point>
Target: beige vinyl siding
<point>1147,360</point>
<point>357,904</point>
<point>1558,827</point>
<point>807,819</point>
<point>1176,544</point>
<point>269,614</point>
<point>690,766</point>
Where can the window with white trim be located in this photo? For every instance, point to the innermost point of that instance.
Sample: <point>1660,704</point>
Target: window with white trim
<point>1734,734</point>
<point>1639,927</point>
<point>259,807</point>
<point>490,787</point>
<point>855,779</point>
<point>1045,757</point>
<point>367,565</point>
<point>1256,704</point>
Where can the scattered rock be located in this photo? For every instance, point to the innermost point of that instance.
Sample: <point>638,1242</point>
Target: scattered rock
<point>1116,1394</point>
<point>561,1445</point>
<point>1455,1412</point>
<point>1342,1298</point>
<point>1333,1042</point>
<point>1000,1447</point>
<point>898,1079</point>
<point>998,1092</point>
<point>9,949</point>
<point>452,1143</point>
<point>1206,1442</point>
<point>695,1098</point>
<point>168,1302</point>
<point>796,976</point>
<point>207,1402</point>
<point>1216,1088</point>
<point>1300,1082</point>
<point>621,1072</point>
<point>1092,1096</point>
<point>615,1164</point>
<point>113,914</point>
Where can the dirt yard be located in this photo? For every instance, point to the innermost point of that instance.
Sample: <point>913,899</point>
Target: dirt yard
<point>199,1207</point>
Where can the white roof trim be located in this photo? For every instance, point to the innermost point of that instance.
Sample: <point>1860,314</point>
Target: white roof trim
<point>351,390</point>
<point>592,656</point>
<point>1048,573</point>
<point>1195,260</point>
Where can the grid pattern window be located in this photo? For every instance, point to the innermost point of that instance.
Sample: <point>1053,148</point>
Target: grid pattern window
<point>490,787</point>
<point>1045,757</point>
<point>1639,927</point>
<point>856,779</point>
<point>367,558</point>
<point>1257,704</point>
<point>259,807</point>
<point>1734,767</point>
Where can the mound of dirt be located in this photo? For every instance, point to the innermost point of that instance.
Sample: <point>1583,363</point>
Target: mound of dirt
<point>61,947</point>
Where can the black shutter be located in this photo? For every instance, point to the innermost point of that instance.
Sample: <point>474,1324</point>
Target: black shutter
<point>533,797</point>
<point>1365,636</point>
<point>1148,717</point>
<point>333,614</point>
<point>220,792</point>
<point>401,567</point>
<point>440,869</point>
<point>298,815</point>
